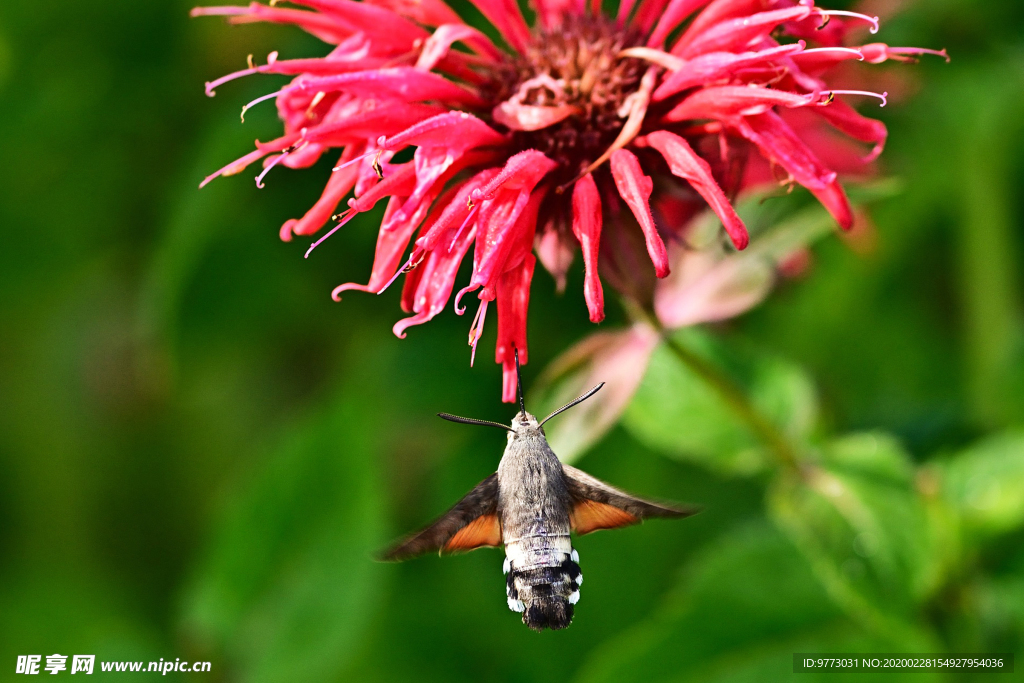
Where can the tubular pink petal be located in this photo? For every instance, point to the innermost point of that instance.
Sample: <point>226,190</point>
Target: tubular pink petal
<point>715,65</point>
<point>513,294</point>
<point>439,44</point>
<point>456,212</point>
<point>845,118</point>
<point>371,19</point>
<point>552,13</point>
<point>779,143</point>
<point>455,131</point>
<point>262,150</point>
<point>833,198</point>
<point>738,34</point>
<point>647,14</point>
<point>405,82</point>
<point>435,284</point>
<point>685,163</point>
<point>735,100</point>
<point>555,251</point>
<point>521,172</point>
<point>426,12</point>
<point>327,29</point>
<point>635,189</point>
<point>338,185</point>
<point>675,13</point>
<point>715,13</point>
<point>625,9</point>
<point>387,119</point>
<point>507,18</point>
<point>586,225</point>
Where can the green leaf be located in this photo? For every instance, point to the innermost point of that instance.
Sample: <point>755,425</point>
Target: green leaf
<point>678,412</point>
<point>742,608</point>
<point>867,530</point>
<point>288,584</point>
<point>985,483</point>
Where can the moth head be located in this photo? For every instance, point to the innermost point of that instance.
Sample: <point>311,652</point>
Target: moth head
<point>523,423</point>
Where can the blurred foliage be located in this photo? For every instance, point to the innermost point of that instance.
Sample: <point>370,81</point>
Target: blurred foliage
<point>199,450</point>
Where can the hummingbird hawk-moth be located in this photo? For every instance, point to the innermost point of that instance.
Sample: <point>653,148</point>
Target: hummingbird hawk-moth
<point>531,505</point>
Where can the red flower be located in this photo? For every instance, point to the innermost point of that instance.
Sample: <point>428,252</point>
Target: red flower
<point>511,143</point>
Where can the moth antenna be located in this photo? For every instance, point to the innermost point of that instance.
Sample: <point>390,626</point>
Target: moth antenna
<point>571,403</point>
<point>519,383</point>
<point>471,421</point>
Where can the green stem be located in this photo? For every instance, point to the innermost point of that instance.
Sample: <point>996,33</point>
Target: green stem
<point>730,392</point>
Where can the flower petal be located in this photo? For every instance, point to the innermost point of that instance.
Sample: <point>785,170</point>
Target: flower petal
<point>635,189</point>
<point>435,283</point>
<point>685,163</point>
<point>439,44</point>
<point>338,185</point>
<point>508,19</point>
<point>779,143</point>
<point>845,118</point>
<point>513,293</point>
<point>586,225</point>
<point>736,100</point>
<point>454,131</point>
<point>675,13</point>
<point>405,82</point>
<point>739,33</point>
<point>709,67</point>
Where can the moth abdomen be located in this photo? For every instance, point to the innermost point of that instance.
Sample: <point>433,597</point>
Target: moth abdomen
<point>545,595</point>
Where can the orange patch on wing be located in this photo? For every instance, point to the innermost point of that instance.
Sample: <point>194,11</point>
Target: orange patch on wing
<point>483,531</point>
<point>589,515</point>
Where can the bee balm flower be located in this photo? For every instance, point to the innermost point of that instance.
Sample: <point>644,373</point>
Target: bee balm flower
<point>579,130</point>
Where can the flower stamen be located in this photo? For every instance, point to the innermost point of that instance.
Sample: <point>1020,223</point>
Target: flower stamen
<point>258,100</point>
<point>840,50</point>
<point>827,15</point>
<point>472,204</point>
<point>867,93</point>
<point>276,160</point>
<point>476,330</point>
<point>345,217</point>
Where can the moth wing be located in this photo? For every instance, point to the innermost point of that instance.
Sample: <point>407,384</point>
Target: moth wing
<point>471,523</point>
<point>596,505</point>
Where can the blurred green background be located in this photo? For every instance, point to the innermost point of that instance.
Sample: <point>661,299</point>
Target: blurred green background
<point>199,450</point>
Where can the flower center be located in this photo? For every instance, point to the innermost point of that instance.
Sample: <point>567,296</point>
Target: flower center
<point>573,74</point>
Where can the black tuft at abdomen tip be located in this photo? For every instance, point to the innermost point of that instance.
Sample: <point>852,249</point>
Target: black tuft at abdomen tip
<point>554,613</point>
